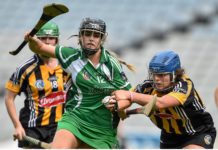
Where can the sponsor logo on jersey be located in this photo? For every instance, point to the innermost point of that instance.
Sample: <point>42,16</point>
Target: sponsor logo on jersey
<point>53,78</point>
<point>40,85</point>
<point>164,115</point>
<point>208,139</point>
<point>53,99</point>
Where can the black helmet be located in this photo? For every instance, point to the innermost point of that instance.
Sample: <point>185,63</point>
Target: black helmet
<point>93,24</point>
<point>90,24</point>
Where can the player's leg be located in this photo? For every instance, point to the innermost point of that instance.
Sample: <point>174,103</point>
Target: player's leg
<point>64,139</point>
<point>201,140</point>
<point>193,146</point>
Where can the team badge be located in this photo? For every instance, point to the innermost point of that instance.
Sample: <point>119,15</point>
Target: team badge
<point>86,75</point>
<point>123,76</point>
<point>40,85</point>
<point>208,139</point>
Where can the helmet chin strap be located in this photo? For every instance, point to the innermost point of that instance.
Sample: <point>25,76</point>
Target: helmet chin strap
<point>89,52</point>
<point>166,90</point>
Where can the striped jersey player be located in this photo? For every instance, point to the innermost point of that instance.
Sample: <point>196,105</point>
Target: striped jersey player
<point>180,112</point>
<point>43,81</point>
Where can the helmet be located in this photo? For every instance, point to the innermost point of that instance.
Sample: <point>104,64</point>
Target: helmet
<point>93,24</point>
<point>50,29</point>
<point>165,62</point>
<point>97,25</point>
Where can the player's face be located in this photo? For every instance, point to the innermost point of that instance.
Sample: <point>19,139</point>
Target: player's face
<point>49,40</point>
<point>91,39</point>
<point>162,81</point>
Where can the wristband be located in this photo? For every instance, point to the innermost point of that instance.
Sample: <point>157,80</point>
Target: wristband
<point>131,96</point>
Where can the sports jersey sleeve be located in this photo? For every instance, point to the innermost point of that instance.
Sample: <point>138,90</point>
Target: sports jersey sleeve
<point>145,87</point>
<point>16,81</point>
<point>182,91</point>
<point>66,55</point>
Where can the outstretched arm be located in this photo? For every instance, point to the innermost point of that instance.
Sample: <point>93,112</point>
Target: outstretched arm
<point>143,99</point>
<point>39,47</point>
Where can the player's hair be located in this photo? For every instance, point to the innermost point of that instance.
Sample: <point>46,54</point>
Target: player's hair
<point>129,66</point>
<point>179,73</point>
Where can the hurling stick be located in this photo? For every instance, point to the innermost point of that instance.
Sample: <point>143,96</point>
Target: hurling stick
<point>50,11</point>
<point>36,142</point>
<point>147,110</point>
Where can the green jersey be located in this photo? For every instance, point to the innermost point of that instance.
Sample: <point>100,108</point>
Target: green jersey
<point>87,117</point>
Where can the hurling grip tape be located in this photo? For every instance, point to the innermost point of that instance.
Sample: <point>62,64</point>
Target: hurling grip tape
<point>147,110</point>
<point>135,111</point>
<point>37,142</point>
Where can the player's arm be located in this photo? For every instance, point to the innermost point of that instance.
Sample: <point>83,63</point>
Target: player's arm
<point>143,99</point>
<point>10,105</point>
<point>162,102</point>
<point>39,47</point>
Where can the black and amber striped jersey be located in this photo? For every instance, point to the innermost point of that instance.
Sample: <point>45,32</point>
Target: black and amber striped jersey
<point>44,89</point>
<point>187,118</point>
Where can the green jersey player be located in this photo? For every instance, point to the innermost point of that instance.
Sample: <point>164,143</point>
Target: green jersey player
<point>95,74</point>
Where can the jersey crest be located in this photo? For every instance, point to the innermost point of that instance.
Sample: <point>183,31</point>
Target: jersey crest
<point>86,75</point>
<point>40,84</point>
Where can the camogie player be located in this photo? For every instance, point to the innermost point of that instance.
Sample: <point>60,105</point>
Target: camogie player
<point>42,81</point>
<point>180,112</point>
<point>95,73</point>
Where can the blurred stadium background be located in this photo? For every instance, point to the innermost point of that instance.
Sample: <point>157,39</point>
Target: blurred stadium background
<point>136,30</point>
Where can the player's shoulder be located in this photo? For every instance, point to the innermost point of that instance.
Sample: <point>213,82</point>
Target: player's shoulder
<point>31,62</point>
<point>184,81</point>
<point>111,56</point>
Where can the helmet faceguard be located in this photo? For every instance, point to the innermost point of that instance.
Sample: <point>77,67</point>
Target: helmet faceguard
<point>92,25</point>
<point>165,62</point>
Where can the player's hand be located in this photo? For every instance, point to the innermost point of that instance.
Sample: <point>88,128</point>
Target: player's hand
<point>19,133</point>
<point>121,95</point>
<point>28,38</point>
<point>123,104</point>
